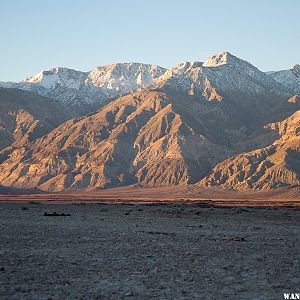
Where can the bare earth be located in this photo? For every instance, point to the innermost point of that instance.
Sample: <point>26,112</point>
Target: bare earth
<point>148,251</point>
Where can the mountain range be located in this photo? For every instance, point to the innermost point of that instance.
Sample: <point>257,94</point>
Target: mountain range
<point>90,90</point>
<point>221,122</point>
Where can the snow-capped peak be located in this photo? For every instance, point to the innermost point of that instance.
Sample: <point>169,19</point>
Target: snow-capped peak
<point>227,60</point>
<point>123,78</point>
<point>127,75</point>
<point>68,78</point>
<point>218,59</point>
<point>220,75</point>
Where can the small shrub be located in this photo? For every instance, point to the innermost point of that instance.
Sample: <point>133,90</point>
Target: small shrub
<point>34,202</point>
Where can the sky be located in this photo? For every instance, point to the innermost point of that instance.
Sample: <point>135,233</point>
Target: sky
<point>82,34</point>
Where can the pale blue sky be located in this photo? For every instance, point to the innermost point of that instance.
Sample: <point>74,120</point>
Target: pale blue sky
<point>81,34</point>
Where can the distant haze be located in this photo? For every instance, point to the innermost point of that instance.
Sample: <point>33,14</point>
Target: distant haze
<point>38,35</point>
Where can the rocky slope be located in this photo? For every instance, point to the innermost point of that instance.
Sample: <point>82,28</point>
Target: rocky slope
<point>25,116</point>
<point>88,90</point>
<point>289,78</point>
<point>277,165</point>
<point>149,137</point>
<point>145,137</point>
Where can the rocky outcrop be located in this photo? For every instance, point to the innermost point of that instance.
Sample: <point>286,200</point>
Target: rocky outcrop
<point>277,165</point>
<point>25,116</point>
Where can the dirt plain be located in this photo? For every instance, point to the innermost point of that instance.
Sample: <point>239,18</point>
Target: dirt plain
<point>122,251</point>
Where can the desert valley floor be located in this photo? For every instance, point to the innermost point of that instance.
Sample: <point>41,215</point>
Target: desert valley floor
<point>203,250</point>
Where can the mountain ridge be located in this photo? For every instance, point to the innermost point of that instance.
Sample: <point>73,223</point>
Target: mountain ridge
<point>102,84</point>
<point>20,120</point>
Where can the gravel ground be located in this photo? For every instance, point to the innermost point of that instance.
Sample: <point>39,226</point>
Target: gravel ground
<point>147,252</point>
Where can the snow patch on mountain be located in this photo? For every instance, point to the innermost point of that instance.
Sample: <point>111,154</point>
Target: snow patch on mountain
<point>289,78</point>
<point>94,87</point>
<point>218,59</point>
<point>123,78</point>
<point>58,76</point>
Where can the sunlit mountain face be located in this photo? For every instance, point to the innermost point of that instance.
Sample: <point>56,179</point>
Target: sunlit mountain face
<point>220,123</point>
